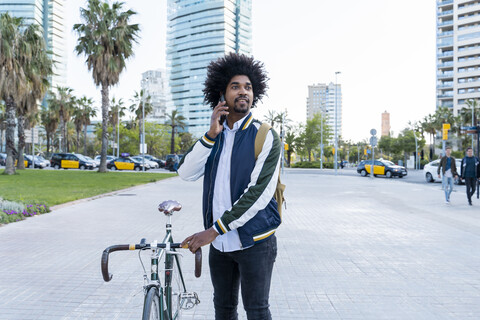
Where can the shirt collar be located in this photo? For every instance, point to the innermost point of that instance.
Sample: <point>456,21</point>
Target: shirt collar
<point>236,125</point>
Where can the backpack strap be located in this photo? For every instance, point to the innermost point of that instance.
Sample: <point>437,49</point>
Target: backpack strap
<point>260,138</point>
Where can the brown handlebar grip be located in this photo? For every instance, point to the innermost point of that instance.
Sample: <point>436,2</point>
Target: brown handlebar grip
<point>198,263</point>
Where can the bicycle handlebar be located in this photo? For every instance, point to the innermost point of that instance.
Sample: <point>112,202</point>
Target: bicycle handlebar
<point>143,246</point>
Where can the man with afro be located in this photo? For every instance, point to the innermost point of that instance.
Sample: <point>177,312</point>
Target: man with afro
<point>239,209</point>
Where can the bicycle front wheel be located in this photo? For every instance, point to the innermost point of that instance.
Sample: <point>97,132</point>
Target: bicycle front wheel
<point>151,306</point>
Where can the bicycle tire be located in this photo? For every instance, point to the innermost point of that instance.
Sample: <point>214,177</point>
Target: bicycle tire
<point>177,287</point>
<point>151,306</point>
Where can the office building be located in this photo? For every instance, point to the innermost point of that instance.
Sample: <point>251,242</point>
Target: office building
<point>321,99</point>
<point>154,84</point>
<point>385,124</point>
<point>458,52</point>
<point>49,15</point>
<point>200,31</point>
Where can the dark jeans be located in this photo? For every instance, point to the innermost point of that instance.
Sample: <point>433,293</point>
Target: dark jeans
<point>252,270</point>
<point>470,183</point>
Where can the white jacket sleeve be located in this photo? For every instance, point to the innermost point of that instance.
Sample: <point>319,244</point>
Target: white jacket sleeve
<point>192,165</point>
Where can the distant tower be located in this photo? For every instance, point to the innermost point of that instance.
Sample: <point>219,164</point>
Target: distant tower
<point>385,123</point>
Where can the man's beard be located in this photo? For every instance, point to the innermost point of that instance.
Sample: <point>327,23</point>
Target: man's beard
<point>239,109</point>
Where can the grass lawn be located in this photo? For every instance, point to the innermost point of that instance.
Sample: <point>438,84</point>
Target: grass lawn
<point>54,187</point>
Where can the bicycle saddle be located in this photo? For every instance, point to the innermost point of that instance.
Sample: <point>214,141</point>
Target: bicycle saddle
<point>167,207</point>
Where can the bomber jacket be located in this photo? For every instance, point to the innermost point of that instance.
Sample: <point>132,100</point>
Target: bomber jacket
<point>254,212</point>
<point>476,167</point>
<point>443,164</point>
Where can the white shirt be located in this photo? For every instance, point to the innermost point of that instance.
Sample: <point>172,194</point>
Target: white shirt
<point>222,199</point>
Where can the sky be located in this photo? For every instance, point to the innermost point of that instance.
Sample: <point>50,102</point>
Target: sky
<point>384,49</point>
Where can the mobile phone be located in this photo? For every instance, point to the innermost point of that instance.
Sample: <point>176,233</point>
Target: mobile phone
<point>223,117</point>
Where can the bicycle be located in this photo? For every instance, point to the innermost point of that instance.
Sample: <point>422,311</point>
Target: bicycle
<point>162,302</point>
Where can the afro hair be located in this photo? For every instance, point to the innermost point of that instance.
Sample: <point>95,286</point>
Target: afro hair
<point>221,71</point>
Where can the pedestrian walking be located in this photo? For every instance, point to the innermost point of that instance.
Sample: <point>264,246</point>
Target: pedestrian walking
<point>239,210</point>
<point>449,171</point>
<point>470,173</point>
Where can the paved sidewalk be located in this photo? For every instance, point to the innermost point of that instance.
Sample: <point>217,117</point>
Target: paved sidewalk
<point>349,248</point>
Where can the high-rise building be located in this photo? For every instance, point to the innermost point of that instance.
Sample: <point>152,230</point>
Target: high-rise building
<point>154,83</point>
<point>49,15</point>
<point>458,52</point>
<point>200,31</point>
<point>322,98</point>
<point>385,124</point>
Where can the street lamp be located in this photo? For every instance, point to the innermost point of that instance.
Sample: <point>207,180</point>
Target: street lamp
<point>336,137</point>
<point>321,135</point>
<point>118,132</point>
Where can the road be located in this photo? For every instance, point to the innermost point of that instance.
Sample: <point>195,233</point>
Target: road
<point>348,248</point>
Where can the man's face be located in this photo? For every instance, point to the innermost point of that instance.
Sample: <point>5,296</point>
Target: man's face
<point>239,95</point>
<point>447,152</point>
<point>470,153</point>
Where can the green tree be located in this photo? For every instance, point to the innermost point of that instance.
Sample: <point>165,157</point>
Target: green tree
<point>290,140</point>
<point>13,82</point>
<point>186,141</point>
<point>49,120</point>
<point>62,101</point>
<point>88,111</point>
<point>117,111</point>
<point>3,123</point>
<point>37,68</point>
<point>174,120</point>
<point>310,138</point>
<point>106,38</point>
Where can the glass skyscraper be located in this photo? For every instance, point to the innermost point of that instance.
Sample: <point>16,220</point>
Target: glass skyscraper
<point>200,31</point>
<point>49,15</point>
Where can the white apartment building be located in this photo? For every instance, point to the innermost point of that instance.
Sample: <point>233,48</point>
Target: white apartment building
<point>322,99</point>
<point>154,84</point>
<point>458,52</point>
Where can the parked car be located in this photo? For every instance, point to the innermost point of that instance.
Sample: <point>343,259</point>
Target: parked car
<point>170,161</point>
<point>94,162</point>
<point>431,175</point>
<point>36,163</point>
<point>160,162</point>
<point>381,167</point>
<point>70,161</point>
<point>125,163</point>
<point>42,160</point>
<point>98,158</point>
<point>3,159</point>
<point>151,164</point>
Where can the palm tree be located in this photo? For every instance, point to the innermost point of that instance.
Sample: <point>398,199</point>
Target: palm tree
<point>87,112</point>
<point>49,119</point>
<point>117,111</point>
<point>38,67</point>
<point>290,139</point>
<point>138,100</point>
<point>106,39</point>
<point>174,120</point>
<point>13,82</point>
<point>271,117</point>
<point>3,126</point>
<point>62,102</point>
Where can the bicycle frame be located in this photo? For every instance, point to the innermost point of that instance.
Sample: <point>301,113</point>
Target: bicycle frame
<point>171,257</point>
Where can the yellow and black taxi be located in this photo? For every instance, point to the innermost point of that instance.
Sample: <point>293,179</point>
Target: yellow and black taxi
<point>125,162</point>
<point>70,161</point>
<point>381,168</point>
